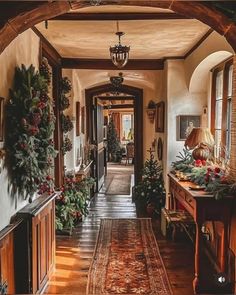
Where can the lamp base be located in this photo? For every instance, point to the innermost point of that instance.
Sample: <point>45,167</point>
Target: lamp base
<point>201,152</point>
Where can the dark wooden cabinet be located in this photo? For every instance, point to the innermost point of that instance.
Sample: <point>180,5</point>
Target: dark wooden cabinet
<point>35,245</point>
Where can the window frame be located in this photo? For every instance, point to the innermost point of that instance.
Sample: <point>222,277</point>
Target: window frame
<point>225,67</point>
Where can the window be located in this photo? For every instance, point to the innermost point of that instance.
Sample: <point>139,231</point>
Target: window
<point>127,127</point>
<point>221,108</point>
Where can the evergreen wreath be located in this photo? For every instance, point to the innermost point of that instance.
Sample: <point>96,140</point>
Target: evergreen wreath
<point>67,145</point>
<point>66,123</point>
<point>30,124</point>
<point>65,89</point>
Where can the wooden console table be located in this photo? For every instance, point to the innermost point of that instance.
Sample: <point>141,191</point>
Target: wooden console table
<point>203,207</point>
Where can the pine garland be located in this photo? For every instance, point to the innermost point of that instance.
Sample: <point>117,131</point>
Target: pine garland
<point>30,124</point>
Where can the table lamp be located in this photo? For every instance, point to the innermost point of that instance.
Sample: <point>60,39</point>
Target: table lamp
<point>201,141</point>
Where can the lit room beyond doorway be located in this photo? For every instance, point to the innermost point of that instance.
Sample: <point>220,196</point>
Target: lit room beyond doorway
<point>120,151</point>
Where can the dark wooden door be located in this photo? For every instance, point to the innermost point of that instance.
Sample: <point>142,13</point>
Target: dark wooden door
<point>99,122</point>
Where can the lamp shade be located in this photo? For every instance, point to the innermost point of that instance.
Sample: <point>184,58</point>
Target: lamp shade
<point>199,135</point>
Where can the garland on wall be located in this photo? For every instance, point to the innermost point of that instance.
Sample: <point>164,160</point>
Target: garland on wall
<point>66,123</point>
<point>30,124</point>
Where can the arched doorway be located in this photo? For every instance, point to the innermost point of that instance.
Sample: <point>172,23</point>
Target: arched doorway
<point>135,92</point>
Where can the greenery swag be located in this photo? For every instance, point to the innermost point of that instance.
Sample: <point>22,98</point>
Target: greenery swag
<point>213,178</point>
<point>30,124</point>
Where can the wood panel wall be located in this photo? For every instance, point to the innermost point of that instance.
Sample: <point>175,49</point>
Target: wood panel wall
<point>7,262</point>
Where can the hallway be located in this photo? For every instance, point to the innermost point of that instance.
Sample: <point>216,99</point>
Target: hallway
<point>74,253</point>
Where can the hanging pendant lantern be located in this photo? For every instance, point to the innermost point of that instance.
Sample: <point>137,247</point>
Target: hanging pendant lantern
<point>119,53</point>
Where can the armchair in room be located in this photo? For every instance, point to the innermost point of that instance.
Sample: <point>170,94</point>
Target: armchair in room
<point>129,152</point>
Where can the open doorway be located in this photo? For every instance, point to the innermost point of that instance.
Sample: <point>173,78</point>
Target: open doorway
<point>124,113</point>
<point>119,145</point>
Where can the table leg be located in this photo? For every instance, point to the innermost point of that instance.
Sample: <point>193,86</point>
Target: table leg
<point>196,281</point>
<point>224,247</point>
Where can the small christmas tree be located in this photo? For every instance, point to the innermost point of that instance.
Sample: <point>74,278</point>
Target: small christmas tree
<point>150,192</point>
<point>113,144</point>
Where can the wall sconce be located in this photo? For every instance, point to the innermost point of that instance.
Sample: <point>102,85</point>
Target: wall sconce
<point>151,109</point>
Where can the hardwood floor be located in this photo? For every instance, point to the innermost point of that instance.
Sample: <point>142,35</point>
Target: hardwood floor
<point>73,254</point>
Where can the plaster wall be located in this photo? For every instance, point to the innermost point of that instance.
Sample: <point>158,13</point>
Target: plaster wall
<point>214,43</point>
<point>73,157</point>
<point>179,102</point>
<point>23,50</point>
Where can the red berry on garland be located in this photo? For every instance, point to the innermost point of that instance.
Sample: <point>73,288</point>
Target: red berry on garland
<point>41,105</point>
<point>33,130</point>
<point>223,180</point>
<point>203,162</point>
<point>217,170</point>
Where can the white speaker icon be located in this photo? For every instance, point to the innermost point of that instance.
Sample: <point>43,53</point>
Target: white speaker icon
<point>221,279</point>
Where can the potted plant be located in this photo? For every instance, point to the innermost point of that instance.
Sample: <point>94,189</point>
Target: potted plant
<point>72,204</point>
<point>149,193</point>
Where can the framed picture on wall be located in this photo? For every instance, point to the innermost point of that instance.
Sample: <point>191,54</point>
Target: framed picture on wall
<point>77,118</point>
<point>83,120</point>
<point>1,119</point>
<point>185,124</point>
<point>160,117</point>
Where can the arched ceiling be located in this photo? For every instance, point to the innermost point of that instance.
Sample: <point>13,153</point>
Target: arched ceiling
<point>149,39</point>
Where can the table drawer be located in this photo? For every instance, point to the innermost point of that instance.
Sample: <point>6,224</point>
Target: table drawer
<point>190,200</point>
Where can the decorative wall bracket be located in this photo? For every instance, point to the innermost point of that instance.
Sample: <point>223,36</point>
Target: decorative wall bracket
<point>151,114</point>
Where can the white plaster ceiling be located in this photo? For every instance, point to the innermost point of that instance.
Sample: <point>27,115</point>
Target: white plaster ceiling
<point>139,78</point>
<point>148,39</point>
<point>119,9</point>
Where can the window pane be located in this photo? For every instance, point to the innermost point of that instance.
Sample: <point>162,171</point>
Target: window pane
<point>228,130</point>
<point>127,127</point>
<point>218,114</point>
<point>219,85</point>
<point>230,80</point>
<point>217,143</point>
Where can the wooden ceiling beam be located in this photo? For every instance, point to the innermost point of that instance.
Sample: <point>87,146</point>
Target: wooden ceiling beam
<point>115,97</point>
<point>78,16</point>
<point>119,106</point>
<point>106,64</point>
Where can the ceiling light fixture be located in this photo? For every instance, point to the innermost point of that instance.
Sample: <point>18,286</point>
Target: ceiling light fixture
<point>95,2</point>
<point>119,53</point>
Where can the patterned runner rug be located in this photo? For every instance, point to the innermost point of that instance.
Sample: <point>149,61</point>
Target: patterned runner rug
<point>119,185</point>
<point>127,260</point>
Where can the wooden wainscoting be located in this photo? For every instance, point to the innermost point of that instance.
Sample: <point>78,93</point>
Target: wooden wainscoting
<point>7,275</point>
<point>35,245</point>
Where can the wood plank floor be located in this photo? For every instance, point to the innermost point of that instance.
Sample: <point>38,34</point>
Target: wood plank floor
<point>73,254</point>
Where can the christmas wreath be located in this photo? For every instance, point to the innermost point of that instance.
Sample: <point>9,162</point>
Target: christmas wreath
<point>30,125</point>
<point>65,89</point>
<point>67,145</point>
<point>66,123</point>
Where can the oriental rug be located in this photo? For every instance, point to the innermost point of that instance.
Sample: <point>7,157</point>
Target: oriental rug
<point>127,260</point>
<point>119,185</point>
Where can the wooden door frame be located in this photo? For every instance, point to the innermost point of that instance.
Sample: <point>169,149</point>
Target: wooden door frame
<point>137,93</point>
<point>46,50</point>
